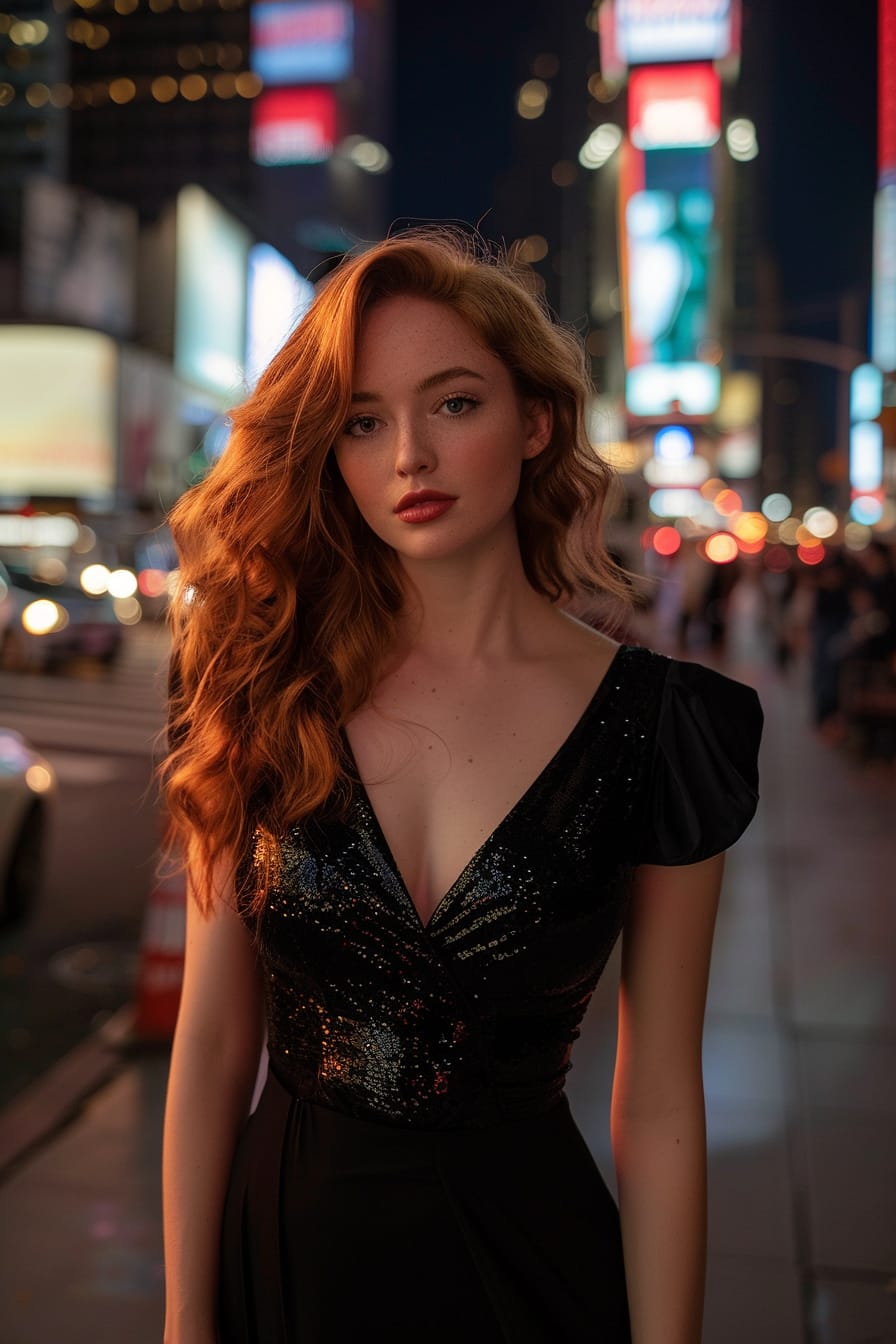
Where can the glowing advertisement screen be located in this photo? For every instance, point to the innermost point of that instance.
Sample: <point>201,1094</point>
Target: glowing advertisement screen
<point>293,126</point>
<point>278,298</point>
<point>57,412</point>
<point>210,320</point>
<point>670,250</point>
<point>654,31</point>
<point>296,43</point>
<point>674,107</point>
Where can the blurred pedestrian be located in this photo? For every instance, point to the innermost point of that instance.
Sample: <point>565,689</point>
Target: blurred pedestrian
<point>828,639</point>
<point>419,802</point>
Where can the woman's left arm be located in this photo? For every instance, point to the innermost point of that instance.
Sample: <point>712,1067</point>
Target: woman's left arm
<point>658,1124</point>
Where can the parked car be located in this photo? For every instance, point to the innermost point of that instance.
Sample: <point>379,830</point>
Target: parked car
<point>27,782</point>
<point>42,624</point>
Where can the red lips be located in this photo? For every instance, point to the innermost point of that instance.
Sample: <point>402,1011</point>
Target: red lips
<point>415,497</point>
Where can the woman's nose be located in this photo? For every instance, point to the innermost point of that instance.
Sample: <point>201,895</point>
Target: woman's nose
<point>413,452</point>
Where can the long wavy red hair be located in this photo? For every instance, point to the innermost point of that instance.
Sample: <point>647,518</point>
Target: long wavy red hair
<point>287,603</point>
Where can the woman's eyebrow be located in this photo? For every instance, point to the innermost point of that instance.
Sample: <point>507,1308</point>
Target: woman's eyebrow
<point>432,380</point>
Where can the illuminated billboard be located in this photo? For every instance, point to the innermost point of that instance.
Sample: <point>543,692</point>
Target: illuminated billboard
<point>293,126</point>
<point>883,280</point>
<point>301,43</point>
<point>674,107</point>
<point>278,298</point>
<point>57,412</point>
<point>669,255</point>
<point>78,257</point>
<point>212,251</point>
<point>645,32</point>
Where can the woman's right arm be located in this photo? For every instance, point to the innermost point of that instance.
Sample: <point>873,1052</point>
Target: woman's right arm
<point>214,1061</point>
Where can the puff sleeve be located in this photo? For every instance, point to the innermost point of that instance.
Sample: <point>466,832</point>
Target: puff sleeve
<point>704,779</point>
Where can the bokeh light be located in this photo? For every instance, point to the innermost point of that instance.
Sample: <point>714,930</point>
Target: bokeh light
<point>857,536</point>
<point>122,583</point>
<point>128,610</point>
<point>811,555</point>
<point>776,507</point>
<point>666,540</point>
<point>788,530</point>
<point>95,579</point>
<point>721,548</point>
<point>38,778</point>
<point>750,528</point>
<point>866,509</point>
<point>531,99</point>
<point>43,617</point>
<point>820,522</point>
<point>727,502</point>
<point>152,582</point>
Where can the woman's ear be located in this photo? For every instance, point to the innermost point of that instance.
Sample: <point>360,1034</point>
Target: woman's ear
<point>538,416</point>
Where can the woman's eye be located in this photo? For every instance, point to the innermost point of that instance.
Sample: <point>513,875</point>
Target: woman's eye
<point>361,425</point>
<point>457,405</point>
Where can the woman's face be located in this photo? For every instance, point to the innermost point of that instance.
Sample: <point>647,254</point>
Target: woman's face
<point>434,444</point>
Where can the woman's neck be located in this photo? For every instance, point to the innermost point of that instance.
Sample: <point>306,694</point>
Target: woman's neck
<point>462,613</point>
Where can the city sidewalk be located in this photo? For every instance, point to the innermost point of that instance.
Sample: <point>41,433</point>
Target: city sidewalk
<point>800,1076</point>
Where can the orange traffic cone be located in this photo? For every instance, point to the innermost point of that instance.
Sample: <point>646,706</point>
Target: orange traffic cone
<point>162,960</point>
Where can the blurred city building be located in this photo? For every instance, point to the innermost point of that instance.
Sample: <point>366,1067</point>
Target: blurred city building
<point>174,177</point>
<point>691,187</point>
<point>176,172</point>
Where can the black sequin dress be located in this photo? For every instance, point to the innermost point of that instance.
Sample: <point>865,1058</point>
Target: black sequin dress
<point>412,1171</point>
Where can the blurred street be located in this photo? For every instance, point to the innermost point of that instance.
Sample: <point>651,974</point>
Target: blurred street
<point>800,1062</point>
<point>72,960</point>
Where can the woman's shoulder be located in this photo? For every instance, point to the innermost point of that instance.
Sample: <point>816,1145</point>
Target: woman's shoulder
<point>705,728</point>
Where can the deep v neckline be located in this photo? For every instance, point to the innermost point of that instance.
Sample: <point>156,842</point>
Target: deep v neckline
<point>386,849</point>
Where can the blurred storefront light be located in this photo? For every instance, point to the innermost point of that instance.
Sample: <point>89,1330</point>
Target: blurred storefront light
<point>866,456</point>
<point>532,99</point>
<point>776,507</point>
<point>368,155</point>
<point>867,509</point>
<point>152,582</point>
<point>128,610</point>
<point>741,139</point>
<point>193,87</point>
<point>673,444</point>
<point>672,503</point>
<point>601,145</point>
<point>94,579</point>
<point>721,548</point>
<point>866,392</point>
<point>751,528</point>
<point>43,617</point>
<point>820,522</point>
<point>164,88</point>
<point>121,583</point>
<point>122,90</point>
<point>666,541</point>
<point>42,529</point>
<point>689,471</point>
<point>857,536</point>
<point>532,248</point>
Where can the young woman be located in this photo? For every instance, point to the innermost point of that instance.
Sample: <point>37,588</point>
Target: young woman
<point>419,803</point>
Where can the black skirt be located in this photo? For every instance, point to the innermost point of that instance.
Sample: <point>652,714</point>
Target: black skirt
<point>337,1230</point>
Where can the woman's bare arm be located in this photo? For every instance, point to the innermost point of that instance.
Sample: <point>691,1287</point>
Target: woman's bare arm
<point>658,1125</point>
<point>214,1062</point>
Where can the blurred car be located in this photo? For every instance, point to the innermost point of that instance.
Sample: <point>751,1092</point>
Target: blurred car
<point>42,624</point>
<point>27,782</point>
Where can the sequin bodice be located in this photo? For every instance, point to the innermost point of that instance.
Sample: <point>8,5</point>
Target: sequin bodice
<point>470,1020</point>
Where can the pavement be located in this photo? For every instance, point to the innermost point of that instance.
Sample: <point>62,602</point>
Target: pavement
<point>800,1065</point>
